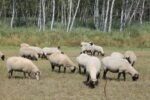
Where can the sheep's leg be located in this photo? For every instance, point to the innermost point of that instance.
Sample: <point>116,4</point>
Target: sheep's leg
<point>104,74</point>
<point>24,74</point>
<point>119,74</point>
<point>10,74</point>
<point>79,69</point>
<point>29,74</point>
<point>52,67</point>
<point>88,78</point>
<point>124,75</point>
<point>64,69</point>
<point>59,69</point>
<point>98,75</point>
<point>84,70</point>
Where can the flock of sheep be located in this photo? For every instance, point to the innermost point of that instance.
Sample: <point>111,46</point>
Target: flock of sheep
<point>116,62</point>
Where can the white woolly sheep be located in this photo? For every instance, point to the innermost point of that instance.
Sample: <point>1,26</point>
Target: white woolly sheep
<point>51,50</point>
<point>22,65</point>
<point>58,59</point>
<point>38,50</point>
<point>82,59</point>
<point>2,56</point>
<point>98,49</point>
<point>131,57</point>
<point>28,53</point>
<point>117,55</point>
<point>120,66</point>
<point>24,45</point>
<point>93,71</point>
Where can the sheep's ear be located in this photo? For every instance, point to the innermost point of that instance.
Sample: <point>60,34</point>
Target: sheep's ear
<point>3,57</point>
<point>58,47</point>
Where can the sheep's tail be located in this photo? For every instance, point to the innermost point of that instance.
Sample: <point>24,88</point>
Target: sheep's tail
<point>105,93</point>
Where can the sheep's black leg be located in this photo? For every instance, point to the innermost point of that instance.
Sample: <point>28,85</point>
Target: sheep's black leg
<point>64,69</point>
<point>10,73</point>
<point>104,74</point>
<point>29,74</point>
<point>119,74</point>
<point>98,75</point>
<point>59,69</point>
<point>52,65</point>
<point>124,75</point>
<point>79,69</point>
<point>88,78</point>
<point>84,70</point>
<point>24,74</point>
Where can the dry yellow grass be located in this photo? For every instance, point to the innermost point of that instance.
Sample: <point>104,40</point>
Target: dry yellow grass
<point>68,86</point>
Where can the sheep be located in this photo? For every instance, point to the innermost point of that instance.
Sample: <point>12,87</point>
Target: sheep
<point>58,59</point>
<point>93,71</point>
<point>117,55</point>
<point>28,53</point>
<point>38,50</point>
<point>82,59</point>
<point>2,56</point>
<point>120,66</point>
<point>86,43</point>
<point>51,50</point>
<point>131,57</point>
<point>22,65</point>
<point>24,45</point>
<point>98,49</point>
<point>86,47</point>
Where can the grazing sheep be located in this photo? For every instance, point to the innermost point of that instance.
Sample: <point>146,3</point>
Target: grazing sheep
<point>82,59</point>
<point>93,71</point>
<point>131,57</point>
<point>22,65</point>
<point>24,45</point>
<point>28,53</point>
<point>51,50</point>
<point>2,56</point>
<point>117,55</point>
<point>120,66</point>
<point>38,50</point>
<point>86,47</point>
<point>98,49</point>
<point>58,59</point>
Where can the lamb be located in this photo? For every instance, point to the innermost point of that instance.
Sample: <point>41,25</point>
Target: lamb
<point>120,66</point>
<point>117,55</point>
<point>82,59</point>
<point>98,49</point>
<point>24,45</point>
<point>22,65</point>
<point>58,59</point>
<point>131,57</point>
<point>2,56</point>
<point>28,53</point>
<point>93,71</point>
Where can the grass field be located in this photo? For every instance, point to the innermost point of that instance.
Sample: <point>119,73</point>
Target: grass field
<point>68,86</point>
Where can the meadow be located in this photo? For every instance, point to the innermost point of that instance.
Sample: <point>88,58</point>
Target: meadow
<point>70,86</point>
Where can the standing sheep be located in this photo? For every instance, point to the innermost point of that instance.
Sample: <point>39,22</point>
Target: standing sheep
<point>38,50</point>
<point>29,53</point>
<point>58,59</point>
<point>117,55</point>
<point>93,71</point>
<point>98,49</point>
<point>22,65</point>
<point>131,57</point>
<point>2,56</point>
<point>82,59</point>
<point>120,66</point>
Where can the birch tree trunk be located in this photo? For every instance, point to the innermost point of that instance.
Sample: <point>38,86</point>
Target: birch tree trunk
<point>43,16</point>
<point>111,14</point>
<point>106,17</point>
<point>69,16</point>
<point>53,16</point>
<point>13,14</point>
<point>103,15</point>
<point>39,18</point>
<point>74,15</point>
<point>62,12</point>
<point>142,12</point>
<point>122,15</point>
<point>96,14</point>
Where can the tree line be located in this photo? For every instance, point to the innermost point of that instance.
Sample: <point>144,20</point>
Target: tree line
<point>101,15</point>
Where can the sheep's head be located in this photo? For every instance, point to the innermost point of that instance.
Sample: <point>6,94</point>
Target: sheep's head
<point>93,83</point>
<point>3,57</point>
<point>128,58</point>
<point>74,69</point>
<point>103,54</point>
<point>135,77</point>
<point>37,75</point>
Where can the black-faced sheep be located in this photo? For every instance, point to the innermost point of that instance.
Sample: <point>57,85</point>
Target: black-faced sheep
<point>2,56</point>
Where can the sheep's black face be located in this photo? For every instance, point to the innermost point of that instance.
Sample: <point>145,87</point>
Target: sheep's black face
<point>73,70</point>
<point>92,84</point>
<point>3,57</point>
<point>102,54</point>
<point>135,77</point>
